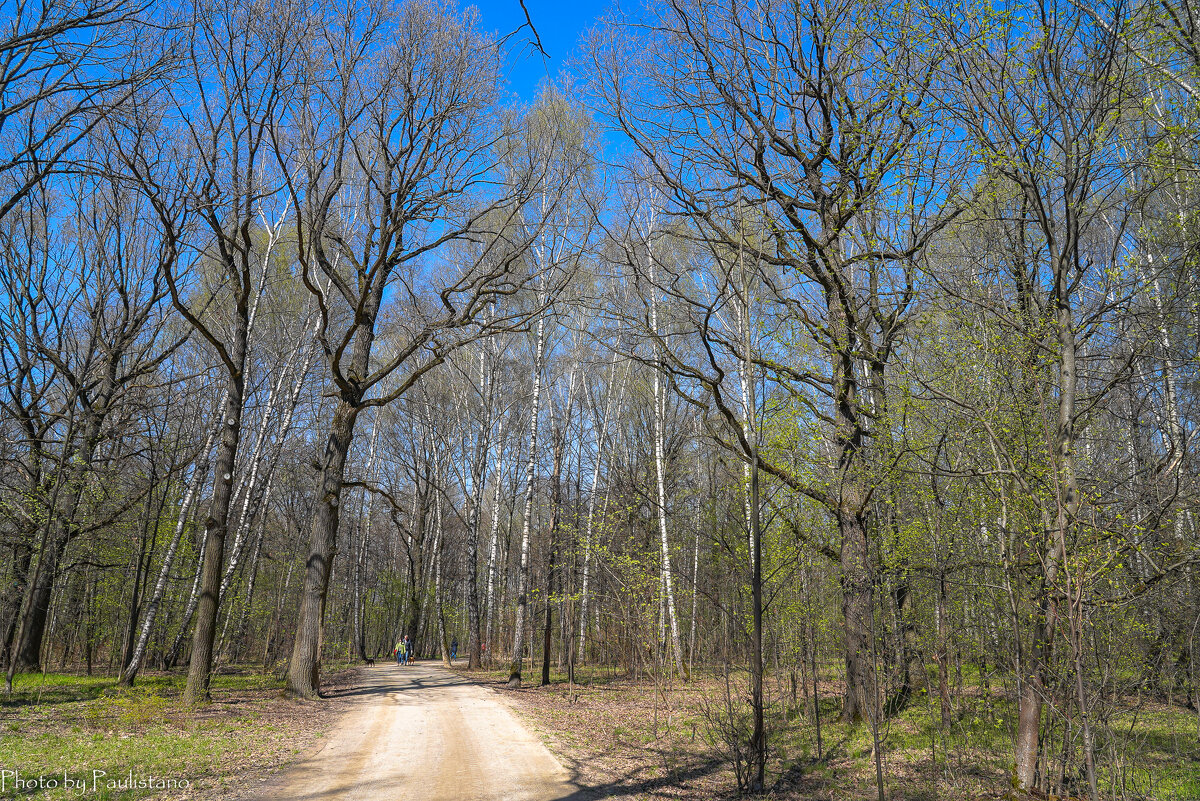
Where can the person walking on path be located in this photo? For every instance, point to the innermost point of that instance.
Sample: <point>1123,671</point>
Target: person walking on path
<point>409,656</point>
<point>399,651</point>
<point>454,649</point>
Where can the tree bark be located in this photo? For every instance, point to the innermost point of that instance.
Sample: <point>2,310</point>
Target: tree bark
<point>160,586</point>
<point>660,411</point>
<point>216,527</point>
<point>514,672</point>
<point>304,669</point>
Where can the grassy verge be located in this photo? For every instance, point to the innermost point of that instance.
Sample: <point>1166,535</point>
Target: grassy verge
<point>68,736</point>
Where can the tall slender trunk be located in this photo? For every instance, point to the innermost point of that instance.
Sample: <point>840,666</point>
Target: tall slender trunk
<point>556,501</point>
<point>1069,501</point>
<point>478,487</point>
<point>660,408</point>
<point>189,611</point>
<point>438,547</point>
<point>146,547</point>
<point>758,737</point>
<point>490,605</point>
<point>591,511</point>
<point>239,634</point>
<point>514,673</point>
<point>199,476</point>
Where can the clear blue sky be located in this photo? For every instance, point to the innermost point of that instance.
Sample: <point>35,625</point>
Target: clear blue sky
<point>560,23</point>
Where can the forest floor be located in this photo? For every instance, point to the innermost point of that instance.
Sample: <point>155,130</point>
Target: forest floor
<point>627,739</point>
<point>79,733</point>
<point>611,737</point>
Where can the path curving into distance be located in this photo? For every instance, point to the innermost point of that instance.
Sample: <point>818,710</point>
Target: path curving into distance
<point>423,732</point>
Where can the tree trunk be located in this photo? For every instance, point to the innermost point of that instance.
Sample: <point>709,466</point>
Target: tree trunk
<point>59,533</point>
<point>555,482</point>
<point>304,677</point>
<point>660,411</point>
<point>160,586</point>
<point>857,599</point>
<point>514,673</point>
<point>758,739</point>
<point>489,601</point>
<point>215,529</point>
<point>443,640</point>
<point>591,512</point>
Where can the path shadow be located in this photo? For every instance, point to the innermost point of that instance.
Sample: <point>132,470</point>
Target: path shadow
<point>395,681</point>
<point>636,784</point>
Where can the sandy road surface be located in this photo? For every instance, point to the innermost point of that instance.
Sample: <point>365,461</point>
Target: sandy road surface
<point>421,732</point>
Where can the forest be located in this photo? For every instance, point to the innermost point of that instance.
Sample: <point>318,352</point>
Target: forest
<point>836,356</point>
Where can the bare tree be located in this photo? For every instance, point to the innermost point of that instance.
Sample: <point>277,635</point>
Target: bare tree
<point>240,63</point>
<point>65,67</point>
<point>102,337</point>
<point>783,110</point>
<point>394,158</point>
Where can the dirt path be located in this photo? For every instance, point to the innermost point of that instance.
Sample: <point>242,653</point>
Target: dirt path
<point>422,732</point>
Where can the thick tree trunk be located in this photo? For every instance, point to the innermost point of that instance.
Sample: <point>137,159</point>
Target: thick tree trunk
<point>215,529</point>
<point>857,600</point>
<point>1029,719</point>
<point>304,677</point>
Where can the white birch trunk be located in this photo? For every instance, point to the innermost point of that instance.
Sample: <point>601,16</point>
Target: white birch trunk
<point>495,536</point>
<point>523,580</point>
<point>164,574</point>
<point>660,479</point>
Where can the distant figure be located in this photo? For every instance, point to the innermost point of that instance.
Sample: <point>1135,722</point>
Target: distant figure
<point>454,649</point>
<point>400,651</point>
<point>408,650</point>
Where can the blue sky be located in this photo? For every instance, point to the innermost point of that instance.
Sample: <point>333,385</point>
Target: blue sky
<point>560,23</point>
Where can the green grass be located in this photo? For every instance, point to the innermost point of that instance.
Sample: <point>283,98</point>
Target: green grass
<point>1161,750</point>
<point>89,730</point>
